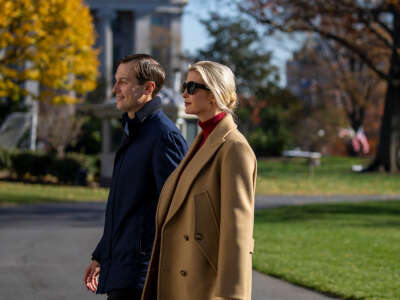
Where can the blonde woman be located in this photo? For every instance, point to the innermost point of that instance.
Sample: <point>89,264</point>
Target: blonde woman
<point>204,223</point>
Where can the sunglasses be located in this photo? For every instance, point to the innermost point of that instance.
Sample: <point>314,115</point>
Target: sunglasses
<point>191,87</point>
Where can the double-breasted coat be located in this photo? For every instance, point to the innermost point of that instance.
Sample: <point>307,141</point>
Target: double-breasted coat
<point>204,224</point>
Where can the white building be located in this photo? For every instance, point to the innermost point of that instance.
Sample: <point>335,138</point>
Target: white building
<point>138,26</point>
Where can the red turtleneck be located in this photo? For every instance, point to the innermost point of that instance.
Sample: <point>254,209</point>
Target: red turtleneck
<point>209,125</point>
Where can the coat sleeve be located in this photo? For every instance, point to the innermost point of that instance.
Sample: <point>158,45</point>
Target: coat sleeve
<point>238,177</point>
<point>169,151</point>
<point>96,255</point>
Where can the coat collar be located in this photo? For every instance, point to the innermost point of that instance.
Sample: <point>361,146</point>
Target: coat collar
<point>131,126</point>
<point>141,115</point>
<point>194,161</point>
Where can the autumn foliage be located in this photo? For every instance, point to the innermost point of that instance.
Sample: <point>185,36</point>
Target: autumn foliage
<point>356,26</point>
<point>48,41</point>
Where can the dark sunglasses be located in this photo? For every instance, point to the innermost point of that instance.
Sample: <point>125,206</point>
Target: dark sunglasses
<point>191,87</point>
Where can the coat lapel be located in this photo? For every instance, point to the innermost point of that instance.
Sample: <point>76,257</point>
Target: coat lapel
<point>170,184</point>
<point>192,167</point>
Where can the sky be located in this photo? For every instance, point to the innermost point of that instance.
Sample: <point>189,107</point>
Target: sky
<point>195,36</point>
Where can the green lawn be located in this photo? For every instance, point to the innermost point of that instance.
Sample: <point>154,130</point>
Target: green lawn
<point>334,176</point>
<point>275,176</point>
<point>349,250</point>
<point>19,193</point>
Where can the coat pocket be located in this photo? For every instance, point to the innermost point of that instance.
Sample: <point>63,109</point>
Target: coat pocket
<point>206,231</point>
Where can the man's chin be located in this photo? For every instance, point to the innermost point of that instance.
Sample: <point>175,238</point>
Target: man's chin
<point>120,107</point>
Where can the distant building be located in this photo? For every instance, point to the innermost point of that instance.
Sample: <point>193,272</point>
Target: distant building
<point>138,26</point>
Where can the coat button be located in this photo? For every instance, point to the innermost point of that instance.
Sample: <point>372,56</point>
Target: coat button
<point>183,273</point>
<point>186,237</point>
<point>198,236</point>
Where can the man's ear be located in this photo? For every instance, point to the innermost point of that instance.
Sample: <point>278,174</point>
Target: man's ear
<point>149,87</point>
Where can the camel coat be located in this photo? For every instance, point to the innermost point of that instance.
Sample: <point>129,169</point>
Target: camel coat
<point>204,223</point>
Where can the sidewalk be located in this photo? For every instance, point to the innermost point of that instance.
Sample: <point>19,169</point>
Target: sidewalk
<point>269,288</point>
<point>269,201</point>
<point>41,238</point>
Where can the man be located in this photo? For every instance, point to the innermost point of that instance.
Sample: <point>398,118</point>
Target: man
<point>151,149</point>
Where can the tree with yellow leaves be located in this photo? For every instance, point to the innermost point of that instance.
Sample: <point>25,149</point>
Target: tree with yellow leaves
<point>50,42</point>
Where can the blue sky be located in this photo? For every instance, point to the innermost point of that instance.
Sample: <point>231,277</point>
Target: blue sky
<point>195,36</point>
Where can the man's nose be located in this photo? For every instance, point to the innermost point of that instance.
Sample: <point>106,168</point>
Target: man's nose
<point>114,88</point>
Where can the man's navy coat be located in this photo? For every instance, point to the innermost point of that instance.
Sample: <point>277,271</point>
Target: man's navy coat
<point>150,151</point>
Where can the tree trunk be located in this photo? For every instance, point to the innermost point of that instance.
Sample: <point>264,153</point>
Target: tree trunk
<point>388,154</point>
<point>61,151</point>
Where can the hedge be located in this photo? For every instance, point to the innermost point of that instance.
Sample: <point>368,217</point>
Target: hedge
<point>74,168</point>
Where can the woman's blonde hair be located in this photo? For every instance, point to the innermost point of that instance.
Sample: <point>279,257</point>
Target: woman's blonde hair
<point>221,81</point>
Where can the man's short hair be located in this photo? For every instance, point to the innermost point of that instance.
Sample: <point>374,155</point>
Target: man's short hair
<point>146,69</point>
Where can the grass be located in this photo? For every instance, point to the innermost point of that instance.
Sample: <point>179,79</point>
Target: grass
<point>275,177</point>
<point>20,193</point>
<point>333,177</point>
<point>348,250</point>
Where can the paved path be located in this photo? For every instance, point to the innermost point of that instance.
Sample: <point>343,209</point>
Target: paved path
<point>44,250</point>
<point>278,200</point>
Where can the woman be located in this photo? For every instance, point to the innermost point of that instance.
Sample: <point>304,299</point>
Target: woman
<point>204,223</point>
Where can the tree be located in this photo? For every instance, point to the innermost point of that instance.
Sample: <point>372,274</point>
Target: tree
<point>58,126</point>
<point>89,139</point>
<point>237,44</point>
<point>353,84</point>
<point>8,106</point>
<point>345,82</point>
<point>273,121</point>
<point>262,110</point>
<point>48,41</point>
<point>354,25</point>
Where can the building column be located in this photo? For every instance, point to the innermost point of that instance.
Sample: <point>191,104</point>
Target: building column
<point>32,87</point>
<point>176,50</point>
<point>106,17</point>
<point>142,35</point>
<point>106,136</point>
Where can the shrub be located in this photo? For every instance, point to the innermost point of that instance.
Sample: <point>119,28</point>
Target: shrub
<point>272,135</point>
<point>73,169</point>
<point>5,159</point>
<point>267,142</point>
<point>66,169</point>
<point>89,162</point>
<point>34,163</point>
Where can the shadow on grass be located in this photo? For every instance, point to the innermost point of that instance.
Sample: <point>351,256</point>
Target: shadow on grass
<point>383,213</point>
